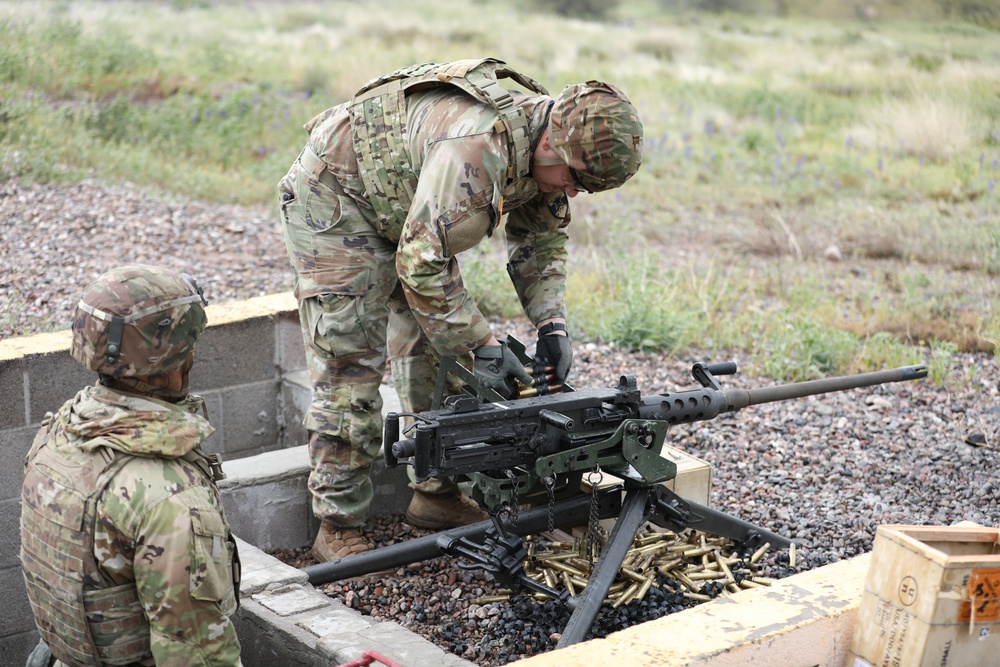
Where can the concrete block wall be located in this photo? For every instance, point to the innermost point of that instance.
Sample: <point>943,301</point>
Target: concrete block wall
<point>285,621</point>
<point>266,496</point>
<point>250,370</point>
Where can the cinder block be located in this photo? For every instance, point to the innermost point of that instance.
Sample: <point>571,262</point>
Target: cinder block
<point>293,400</point>
<point>14,446</point>
<point>53,379</point>
<point>12,413</point>
<point>260,571</point>
<point>235,353</point>
<point>250,419</point>
<point>291,347</point>
<point>271,515</point>
<point>216,416</point>
<point>269,640</point>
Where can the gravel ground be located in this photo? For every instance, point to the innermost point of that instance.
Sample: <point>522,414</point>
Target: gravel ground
<point>56,239</point>
<point>825,471</point>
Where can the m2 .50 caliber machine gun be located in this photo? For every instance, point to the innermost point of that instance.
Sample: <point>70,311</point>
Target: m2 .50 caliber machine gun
<point>541,447</point>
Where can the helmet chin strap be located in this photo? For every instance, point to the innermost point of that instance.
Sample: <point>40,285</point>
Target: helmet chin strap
<point>171,387</point>
<point>547,161</point>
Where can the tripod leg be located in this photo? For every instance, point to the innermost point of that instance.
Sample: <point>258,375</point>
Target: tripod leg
<point>588,603</point>
<point>570,512</point>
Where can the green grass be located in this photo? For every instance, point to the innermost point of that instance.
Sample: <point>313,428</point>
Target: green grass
<point>769,142</point>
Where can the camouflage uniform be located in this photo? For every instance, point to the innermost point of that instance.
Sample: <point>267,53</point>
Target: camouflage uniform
<point>160,539</point>
<point>353,268</point>
<point>125,549</point>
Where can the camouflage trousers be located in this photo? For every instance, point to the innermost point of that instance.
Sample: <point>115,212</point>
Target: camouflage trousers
<point>415,368</point>
<point>348,335</point>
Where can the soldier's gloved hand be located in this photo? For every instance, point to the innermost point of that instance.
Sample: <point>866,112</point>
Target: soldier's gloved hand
<point>496,367</point>
<point>554,349</point>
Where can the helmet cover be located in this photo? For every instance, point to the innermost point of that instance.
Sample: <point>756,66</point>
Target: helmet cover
<point>137,321</point>
<point>596,130</point>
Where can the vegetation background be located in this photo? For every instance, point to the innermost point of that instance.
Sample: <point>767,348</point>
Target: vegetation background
<point>818,192</point>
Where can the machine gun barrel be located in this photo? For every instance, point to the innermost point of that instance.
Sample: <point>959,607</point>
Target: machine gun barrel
<point>741,398</point>
<point>711,400</point>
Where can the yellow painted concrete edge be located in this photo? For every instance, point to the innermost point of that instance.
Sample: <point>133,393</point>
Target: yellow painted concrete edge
<point>756,626</point>
<point>218,314</point>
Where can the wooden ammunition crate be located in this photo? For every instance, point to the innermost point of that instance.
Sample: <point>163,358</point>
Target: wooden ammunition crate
<point>931,598</point>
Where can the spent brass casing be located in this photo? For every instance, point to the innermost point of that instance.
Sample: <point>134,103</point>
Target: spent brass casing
<point>644,588</point>
<point>552,557</point>
<point>654,537</point>
<point>724,567</point>
<point>562,567</point>
<point>683,578</point>
<point>490,599</point>
<point>568,583</point>
<point>696,596</point>
<point>760,552</point>
<point>626,596</point>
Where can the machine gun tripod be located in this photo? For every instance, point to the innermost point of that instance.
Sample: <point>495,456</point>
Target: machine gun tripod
<point>510,449</point>
<point>495,544</point>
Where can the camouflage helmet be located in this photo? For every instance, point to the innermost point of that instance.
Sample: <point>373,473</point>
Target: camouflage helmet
<point>595,129</point>
<point>137,321</point>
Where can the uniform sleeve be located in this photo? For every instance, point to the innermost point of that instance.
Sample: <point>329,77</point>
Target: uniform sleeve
<point>536,248</point>
<point>183,571</point>
<point>453,209</point>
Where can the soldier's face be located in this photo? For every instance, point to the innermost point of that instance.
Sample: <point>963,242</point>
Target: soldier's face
<point>549,171</point>
<point>555,179</point>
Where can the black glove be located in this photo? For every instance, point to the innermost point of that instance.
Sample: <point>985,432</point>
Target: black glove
<point>555,350</point>
<point>496,367</point>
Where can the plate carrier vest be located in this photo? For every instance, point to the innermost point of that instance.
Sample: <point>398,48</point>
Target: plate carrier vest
<point>378,125</point>
<point>57,554</point>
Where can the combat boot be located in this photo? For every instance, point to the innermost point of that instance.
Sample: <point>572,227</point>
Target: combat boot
<point>447,510</point>
<point>333,543</point>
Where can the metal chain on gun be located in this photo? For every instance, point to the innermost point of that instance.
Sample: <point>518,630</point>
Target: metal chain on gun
<point>550,488</point>
<point>594,479</point>
<point>515,503</point>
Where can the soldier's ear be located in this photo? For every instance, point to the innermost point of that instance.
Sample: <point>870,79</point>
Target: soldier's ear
<point>543,142</point>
